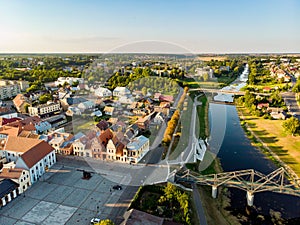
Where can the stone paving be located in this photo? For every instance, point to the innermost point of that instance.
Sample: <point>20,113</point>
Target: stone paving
<point>62,197</point>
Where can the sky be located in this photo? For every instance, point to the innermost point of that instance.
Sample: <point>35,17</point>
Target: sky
<point>190,26</point>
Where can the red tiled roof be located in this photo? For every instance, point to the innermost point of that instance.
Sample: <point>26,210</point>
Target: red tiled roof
<point>36,153</point>
<point>11,173</point>
<point>19,100</point>
<point>33,149</point>
<point>105,136</point>
<point>4,121</point>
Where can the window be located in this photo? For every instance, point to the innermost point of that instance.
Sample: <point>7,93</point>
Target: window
<point>8,154</point>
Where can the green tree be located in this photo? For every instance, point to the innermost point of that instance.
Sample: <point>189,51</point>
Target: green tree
<point>205,77</point>
<point>291,125</point>
<point>144,91</point>
<point>105,222</point>
<point>44,98</point>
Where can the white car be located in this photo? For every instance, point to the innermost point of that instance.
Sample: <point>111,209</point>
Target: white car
<point>95,220</point>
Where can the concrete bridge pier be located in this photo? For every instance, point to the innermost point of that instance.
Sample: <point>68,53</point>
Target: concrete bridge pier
<point>214,191</point>
<point>250,198</point>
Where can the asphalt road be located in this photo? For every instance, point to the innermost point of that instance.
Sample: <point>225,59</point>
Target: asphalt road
<point>291,103</point>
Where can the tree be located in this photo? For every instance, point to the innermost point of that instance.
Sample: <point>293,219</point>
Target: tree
<point>144,91</point>
<point>45,98</point>
<point>105,222</point>
<point>205,77</point>
<point>291,125</point>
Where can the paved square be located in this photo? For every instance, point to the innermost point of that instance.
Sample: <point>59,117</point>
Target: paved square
<point>62,198</point>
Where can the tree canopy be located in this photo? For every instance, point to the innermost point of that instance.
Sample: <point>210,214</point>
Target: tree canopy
<point>291,125</point>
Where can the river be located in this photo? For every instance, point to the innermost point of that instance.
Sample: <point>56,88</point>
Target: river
<point>236,153</point>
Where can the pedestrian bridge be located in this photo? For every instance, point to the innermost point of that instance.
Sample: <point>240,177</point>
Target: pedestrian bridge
<point>249,180</point>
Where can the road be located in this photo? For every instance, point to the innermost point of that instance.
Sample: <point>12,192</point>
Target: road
<point>198,204</point>
<point>291,102</point>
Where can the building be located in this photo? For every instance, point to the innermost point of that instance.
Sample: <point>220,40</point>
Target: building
<point>121,91</point>
<point>103,92</point>
<point>83,106</point>
<point>56,140</point>
<point>9,89</point>
<point>21,103</point>
<point>136,149</point>
<point>109,110</point>
<point>8,191</point>
<point>18,175</point>
<point>43,127</point>
<point>68,80</point>
<point>30,154</point>
<point>45,109</point>
<point>115,149</point>
<point>82,147</point>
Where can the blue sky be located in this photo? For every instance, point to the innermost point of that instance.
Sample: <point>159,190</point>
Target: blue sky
<point>194,26</point>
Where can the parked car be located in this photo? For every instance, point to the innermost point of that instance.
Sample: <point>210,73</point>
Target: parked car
<point>95,220</point>
<point>117,187</point>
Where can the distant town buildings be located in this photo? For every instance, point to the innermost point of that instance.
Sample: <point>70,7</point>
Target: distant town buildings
<point>68,80</point>
<point>10,88</point>
<point>44,110</point>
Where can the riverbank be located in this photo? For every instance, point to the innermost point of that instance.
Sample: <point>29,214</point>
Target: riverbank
<point>269,137</point>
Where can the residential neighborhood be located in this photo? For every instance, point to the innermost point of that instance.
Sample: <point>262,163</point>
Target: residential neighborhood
<point>35,131</point>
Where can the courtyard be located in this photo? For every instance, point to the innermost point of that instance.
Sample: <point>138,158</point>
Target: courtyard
<point>63,197</point>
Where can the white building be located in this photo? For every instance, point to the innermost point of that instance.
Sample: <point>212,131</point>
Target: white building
<point>18,175</point>
<point>30,154</point>
<point>86,105</point>
<point>121,91</point>
<point>103,92</point>
<point>82,147</point>
<point>9,89</point>
<point>44,109</point>
<point>68,80</point>
<point>137,148</point>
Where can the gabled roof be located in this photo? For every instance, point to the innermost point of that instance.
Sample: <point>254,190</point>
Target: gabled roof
<point>33,149</point>
<point>102,125</point>
<point>11,173</point>
<point>119,145</point>
<point>19,100</point>
<point>4,121</point>
<point>105,136</point>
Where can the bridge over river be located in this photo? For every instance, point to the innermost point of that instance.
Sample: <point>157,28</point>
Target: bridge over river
<point>248,180</point>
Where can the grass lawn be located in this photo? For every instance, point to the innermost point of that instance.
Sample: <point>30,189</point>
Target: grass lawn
<point>84,125</point>
<point>271,133</point>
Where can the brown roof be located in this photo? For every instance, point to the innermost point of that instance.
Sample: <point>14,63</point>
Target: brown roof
<point>119,146</point>
<point>105,136</point>
<point>10,131</point>
<point>33,149</point>
<point>26,124</point>
<point>4,121</point>
<point>102,125</point>
<point>21,144</point>
<point>11,173</point>
<point>36,153</point>
<point>135,217</point>
<point>19,100</point>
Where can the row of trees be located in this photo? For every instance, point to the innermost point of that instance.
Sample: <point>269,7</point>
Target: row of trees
<point>174,120</point>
